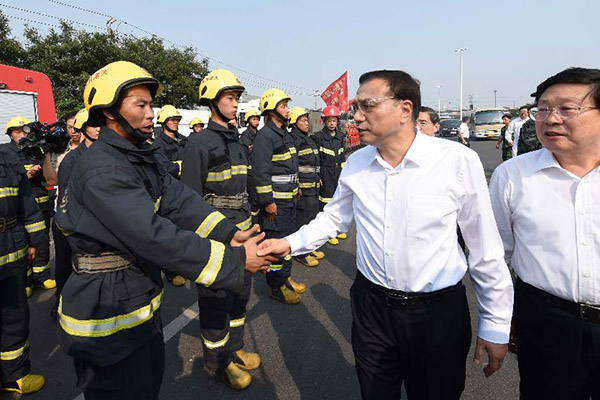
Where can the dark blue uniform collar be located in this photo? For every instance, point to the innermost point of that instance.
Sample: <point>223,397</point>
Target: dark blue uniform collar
<point>113,139</point>
<point>230,132</point>
<point>168,139</point>
<point>281,131</point>
<point>327,136</point>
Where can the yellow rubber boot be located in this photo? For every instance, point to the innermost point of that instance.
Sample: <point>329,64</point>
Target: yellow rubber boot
<point>246,360</point>
<point>295,286</point>
<point>333,241</point>
<point>342,236</point>
<point>28,291</point>
<point>178,280</point>
<point>28,384</point>
<point>319,255</point>
<point>235,378</point>
<point>48,284</point>
<point>309,261</point>
<point>284,295</point>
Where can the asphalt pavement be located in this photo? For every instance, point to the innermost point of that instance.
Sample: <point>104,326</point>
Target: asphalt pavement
<point>305,348</point>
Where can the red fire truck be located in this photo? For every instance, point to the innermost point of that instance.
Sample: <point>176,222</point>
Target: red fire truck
<point>27,93</point>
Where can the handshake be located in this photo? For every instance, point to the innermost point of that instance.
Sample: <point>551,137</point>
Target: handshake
<point>259,256</point>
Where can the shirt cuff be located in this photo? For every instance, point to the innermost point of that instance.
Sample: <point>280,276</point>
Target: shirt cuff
<point>493,332</point>
<point>295,243</point>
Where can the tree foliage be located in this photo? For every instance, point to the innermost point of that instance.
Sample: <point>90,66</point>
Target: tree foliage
<point>69,56</point>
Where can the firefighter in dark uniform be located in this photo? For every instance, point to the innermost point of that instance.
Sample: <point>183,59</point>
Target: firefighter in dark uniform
<point>40,174</point>
<point>275,178</point>
<point>215,165</point>
<point>331,148</point>
<point>123,214</point>
<point>308,176</point>
<point>196,126</point>
<point>252,118</point>
<point>62,259</point>
<point>171,144</point>
<point>22,229</point>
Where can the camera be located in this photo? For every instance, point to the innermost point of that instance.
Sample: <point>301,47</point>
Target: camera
<point>41,139</point>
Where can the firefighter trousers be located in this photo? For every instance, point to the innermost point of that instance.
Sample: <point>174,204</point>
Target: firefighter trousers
<point>284,224</point>
<point>329,178</point>
<point>222,321</point>
<point>62,260</point>
<point>14,327</point>
<point>137,376</point>
<point>39,270</point>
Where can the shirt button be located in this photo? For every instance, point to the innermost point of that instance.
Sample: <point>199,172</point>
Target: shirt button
<point>389,200</point>
<point>387,253</point>
<point>388,226</point>
<point>582,212</point>
<point>585,243</point>
<point>586,274</point>
<point>391,278</point>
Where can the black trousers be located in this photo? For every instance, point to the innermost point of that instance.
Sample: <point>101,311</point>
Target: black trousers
<point>40,267</point>
<point>559,353</point>
<point>62,260</point>
<point>14,327</point>
<point>222,321</point>
<point>307,209</point>
<point>422,344</point>
<point>283,225</point>
<point>138,376</point>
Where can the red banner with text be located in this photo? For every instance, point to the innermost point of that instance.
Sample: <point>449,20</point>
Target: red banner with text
<point>336,94</point>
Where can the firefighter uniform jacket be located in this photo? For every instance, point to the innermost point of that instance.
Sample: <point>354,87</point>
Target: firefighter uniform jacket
<point>124,216</point>
<point>42,197</point>
<point>215,165</point>
<point>66,167</point>
<point>333,158</point>
<point>21,222</point>
<point>308,163</point>
<point>275,166</point>
<point>247,140</point>
<point>172,149</point>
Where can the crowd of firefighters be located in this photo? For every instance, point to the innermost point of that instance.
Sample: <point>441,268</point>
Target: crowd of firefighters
<point>135,201</point>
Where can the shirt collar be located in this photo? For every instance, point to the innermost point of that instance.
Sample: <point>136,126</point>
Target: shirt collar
<point>418,153</point>
<point>545,159</point>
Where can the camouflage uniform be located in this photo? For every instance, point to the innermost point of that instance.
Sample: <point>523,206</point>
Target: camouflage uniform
<point>506,146</point>
<point>528,140</point>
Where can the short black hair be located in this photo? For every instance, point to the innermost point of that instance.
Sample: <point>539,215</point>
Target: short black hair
<point>525,107</point>
<point>402,86</point>
<point>575,75</point>
<point>465,118</point>
<point>507,116</point>
<point>433,116</point>
<point>69,115</point>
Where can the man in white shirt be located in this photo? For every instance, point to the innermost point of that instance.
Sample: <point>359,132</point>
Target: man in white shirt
<point>463,131</point>
<point>428,122</point>
<point>514,128</point>
<point>546,206</point>
<point>407,192</point>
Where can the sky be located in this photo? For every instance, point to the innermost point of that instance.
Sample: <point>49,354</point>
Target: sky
<point>304,46</point>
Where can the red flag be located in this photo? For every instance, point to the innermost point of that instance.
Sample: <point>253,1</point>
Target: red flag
<point>336,94</point>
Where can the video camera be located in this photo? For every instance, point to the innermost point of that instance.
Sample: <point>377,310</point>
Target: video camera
<point>41,139</point>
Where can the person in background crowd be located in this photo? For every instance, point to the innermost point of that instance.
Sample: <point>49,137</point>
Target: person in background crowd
<point>505,141</point>
<point>428,122</point>
<point>463,131</point>
<point>514,129</point>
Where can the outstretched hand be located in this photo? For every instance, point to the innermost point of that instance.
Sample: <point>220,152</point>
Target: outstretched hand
<point>277,247</point>
<point>255,262</point>
<point>496,353</point>
<point>241,237</point>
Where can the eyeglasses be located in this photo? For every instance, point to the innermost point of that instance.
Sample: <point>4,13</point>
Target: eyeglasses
<point>367,105</point>
<point>564,111</point>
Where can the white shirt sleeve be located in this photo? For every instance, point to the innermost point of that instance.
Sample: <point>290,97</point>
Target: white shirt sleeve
<point>500,198</point>
<point>335,217</point>
<point>488,270</point>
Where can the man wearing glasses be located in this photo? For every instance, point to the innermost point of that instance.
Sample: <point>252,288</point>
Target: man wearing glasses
<point>407,192</point>
<point>546,207</point>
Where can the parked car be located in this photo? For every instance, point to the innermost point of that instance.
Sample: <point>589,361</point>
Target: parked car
<point>449,127</point>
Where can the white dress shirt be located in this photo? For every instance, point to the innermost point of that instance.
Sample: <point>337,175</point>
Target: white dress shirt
<point>463,131</point>
<point>549,221</point>
<point>406,219</point>
<point>513,131</point>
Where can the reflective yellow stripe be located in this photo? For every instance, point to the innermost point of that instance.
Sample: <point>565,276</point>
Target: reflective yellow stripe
<point>287,258</point>
<point>215,345</point>
<point>305,152</point>
<point>308,185</point>
<point>254,213</point>
<point>35,227</point>
<point>213,265</point>
<point>42,199</point>
<point>327,151</point>
<point>293,150</point>
<point>178,162</point>
<point>65,232</point>
<point>285,195</point>
<point>264,189</point>
<point>29,271</point>
<point>340,150</point>
<point>9,191</point>
<point>281,157</point>
<point>226,174</point>
<point>245,225</point>
<point>343,164</point>
<point>38,270</point>
<point>325,199</point>
<point>14,256</point>
<point>209,223</point>
<point>27,166</point>
<point>236,323</point>
<point>108,326</point>
<point>276,267</point>
<point>316,151</point>
<point>14,354</point>
<point>157,204</point>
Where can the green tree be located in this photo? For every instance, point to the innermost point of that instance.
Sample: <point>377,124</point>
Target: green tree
<point>69,56</point>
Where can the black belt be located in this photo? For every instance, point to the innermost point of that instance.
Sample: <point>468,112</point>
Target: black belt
<point>7,223</point>
<point>410,301</point>
<point>586,312</point>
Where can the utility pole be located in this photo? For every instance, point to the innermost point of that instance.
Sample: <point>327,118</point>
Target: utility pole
<point>495,104</point>
<point>439,87</point>
<point>461,51</point>
<point>317,94</point>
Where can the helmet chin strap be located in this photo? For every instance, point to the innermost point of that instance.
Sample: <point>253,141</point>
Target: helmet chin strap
<point>280,117</point>
<point>219,113</point>
<point>135,134</point>
<point>88,137</point>
<point>166,128</point>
